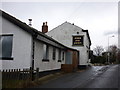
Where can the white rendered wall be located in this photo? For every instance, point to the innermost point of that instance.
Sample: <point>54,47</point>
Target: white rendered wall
<point>45,65</point>
<point>0,47</point>
<point>64,33</point>
<point>21,49</point>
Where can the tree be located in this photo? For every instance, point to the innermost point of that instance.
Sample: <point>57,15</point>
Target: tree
<point>105,57</point>
<point>97,57</point>
<point>102,57</point>
<point>98,50</point>
<point>113,53</point>
<point>118,55</point>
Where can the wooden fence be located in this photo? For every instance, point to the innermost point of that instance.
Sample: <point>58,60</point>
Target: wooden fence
<point>13,77</point>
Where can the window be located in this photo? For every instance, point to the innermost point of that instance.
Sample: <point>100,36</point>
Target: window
<point>45,52</point>
<point>59,56</point>
<point>54,53</point>
<point>6,47</point>
<point>63,54</point>
<point>78,41</point>
<point>77,32</point>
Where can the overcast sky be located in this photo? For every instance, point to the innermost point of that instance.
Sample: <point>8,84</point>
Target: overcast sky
<point>99,18</point>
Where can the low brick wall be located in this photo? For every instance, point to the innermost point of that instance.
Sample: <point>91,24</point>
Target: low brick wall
<point>67,68</point>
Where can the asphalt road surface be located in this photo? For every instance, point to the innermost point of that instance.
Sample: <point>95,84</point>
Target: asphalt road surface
<point>94,77</point>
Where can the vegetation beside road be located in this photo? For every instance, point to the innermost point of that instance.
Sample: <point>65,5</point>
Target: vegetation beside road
<point>100,55</point>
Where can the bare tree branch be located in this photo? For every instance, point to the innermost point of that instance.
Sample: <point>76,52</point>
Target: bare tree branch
<point>98,50</point>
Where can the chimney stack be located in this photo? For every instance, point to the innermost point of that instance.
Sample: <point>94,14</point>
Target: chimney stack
<point>44,27</point>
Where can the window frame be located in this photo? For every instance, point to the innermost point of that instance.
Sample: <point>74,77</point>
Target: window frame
<point>54,53</point>
<point>63,55</point>
<point>59,55</point>
<point>46,56</point>
<point>11,57</point>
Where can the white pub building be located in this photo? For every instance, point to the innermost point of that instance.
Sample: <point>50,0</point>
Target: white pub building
<point>75,37</point>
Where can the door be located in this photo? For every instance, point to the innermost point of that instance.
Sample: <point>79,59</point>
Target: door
<point>75,59</point>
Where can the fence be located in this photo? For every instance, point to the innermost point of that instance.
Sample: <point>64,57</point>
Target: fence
<point>16,77</point>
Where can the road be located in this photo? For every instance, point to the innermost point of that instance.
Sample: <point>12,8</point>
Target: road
<point>94,77</point>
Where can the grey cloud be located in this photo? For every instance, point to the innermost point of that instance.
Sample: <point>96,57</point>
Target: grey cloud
<point>111,32</point>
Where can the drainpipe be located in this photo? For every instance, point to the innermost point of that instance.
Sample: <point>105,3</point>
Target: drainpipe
<point>33,50</point>
<point>32,64</point>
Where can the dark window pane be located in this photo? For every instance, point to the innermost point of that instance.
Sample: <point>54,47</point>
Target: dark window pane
<point>59,56</point>
<point>6,44</point>
<point>45,51</point>
<point>0,46</point>
<point>54,53</point>
<point>63,56</point>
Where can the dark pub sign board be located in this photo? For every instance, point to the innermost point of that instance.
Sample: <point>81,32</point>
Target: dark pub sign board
<point>77,40</point>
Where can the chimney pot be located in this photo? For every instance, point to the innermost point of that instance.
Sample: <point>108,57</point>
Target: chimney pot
<point>46,23</point>
<point>30,22</point>
<point>43,23</point>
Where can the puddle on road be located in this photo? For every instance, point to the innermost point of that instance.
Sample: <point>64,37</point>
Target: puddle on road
<point>97,68</point>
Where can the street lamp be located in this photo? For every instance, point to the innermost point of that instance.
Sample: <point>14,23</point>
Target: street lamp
<point>108,49</point>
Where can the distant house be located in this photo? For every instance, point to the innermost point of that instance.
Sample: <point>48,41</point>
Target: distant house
<point>75,37</point>
<point>23,46</point>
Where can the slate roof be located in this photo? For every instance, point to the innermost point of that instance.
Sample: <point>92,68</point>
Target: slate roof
<point>29,29</point>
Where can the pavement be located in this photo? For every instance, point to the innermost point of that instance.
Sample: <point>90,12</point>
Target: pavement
<point>78,79</point>
<point>48,78</point>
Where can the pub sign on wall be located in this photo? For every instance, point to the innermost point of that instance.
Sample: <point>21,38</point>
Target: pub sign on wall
<point>77,40</point>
